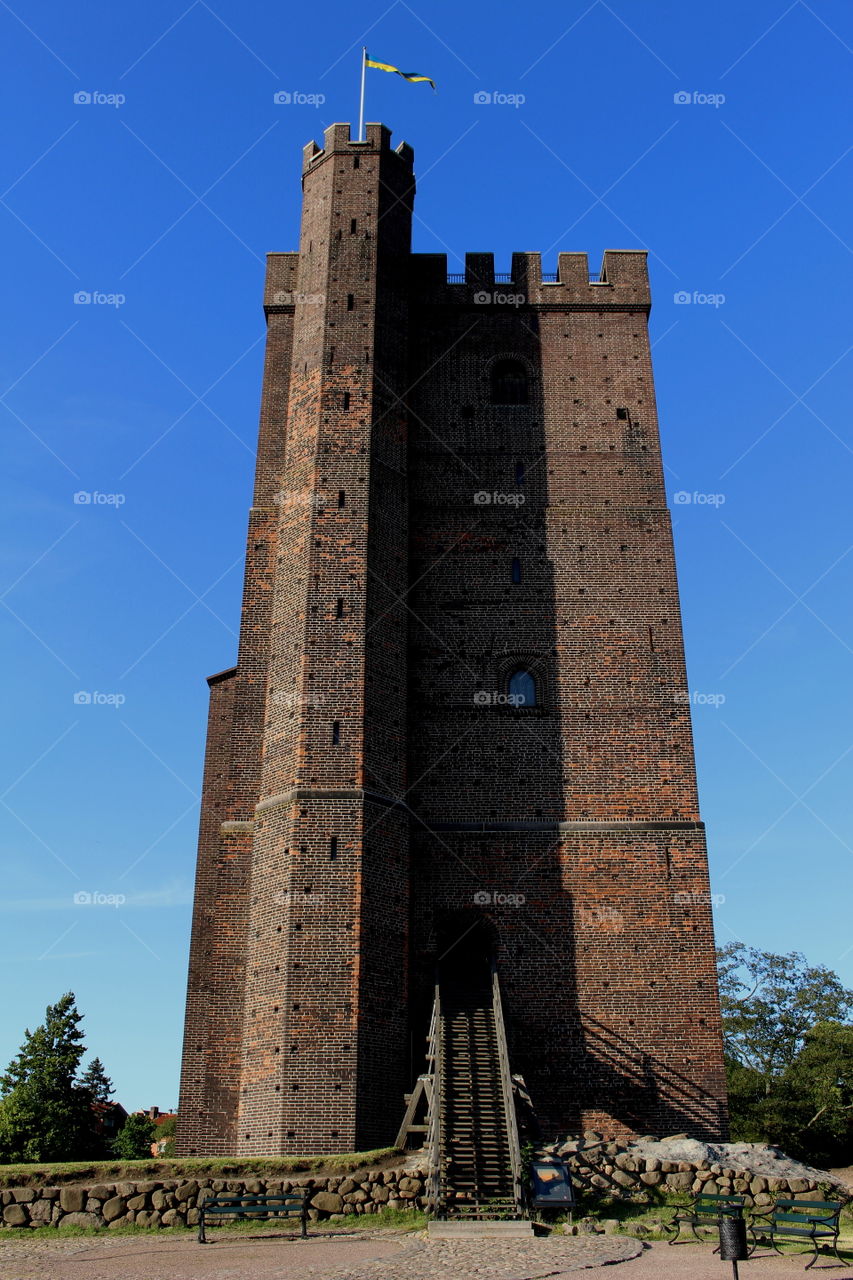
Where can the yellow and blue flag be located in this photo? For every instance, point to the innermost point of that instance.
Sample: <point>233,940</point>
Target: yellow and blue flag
<point>412,76</point>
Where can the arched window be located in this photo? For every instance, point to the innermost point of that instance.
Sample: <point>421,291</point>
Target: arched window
<point>522,688</point>
<point>509,382</point>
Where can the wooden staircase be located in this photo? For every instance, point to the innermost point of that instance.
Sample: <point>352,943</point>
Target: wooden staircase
<point>477,1174</point>
<point>470,1133</point>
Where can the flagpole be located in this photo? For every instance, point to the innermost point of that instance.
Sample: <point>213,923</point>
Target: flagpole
<point>361,100</point>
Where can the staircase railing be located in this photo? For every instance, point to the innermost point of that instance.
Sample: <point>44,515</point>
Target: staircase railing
<point>507,1093</point>
<point>435,1137</point>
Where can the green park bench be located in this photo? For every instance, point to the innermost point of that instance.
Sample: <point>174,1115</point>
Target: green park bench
<point>706,1211</point>
<point>813,1221</point>
<point>288,1204</point>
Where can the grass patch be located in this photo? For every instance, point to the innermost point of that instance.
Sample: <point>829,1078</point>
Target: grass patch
<point>405,1220</point>
<point>202,1168</point>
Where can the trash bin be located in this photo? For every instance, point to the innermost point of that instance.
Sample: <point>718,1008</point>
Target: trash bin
<point>733,1246</point>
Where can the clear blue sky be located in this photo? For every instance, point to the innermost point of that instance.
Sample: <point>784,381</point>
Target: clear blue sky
<point>172,197</point>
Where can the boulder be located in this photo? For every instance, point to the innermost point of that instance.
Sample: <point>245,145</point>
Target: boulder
<point>72,1199</point>
<point>114,1208</point>
<point>622,1178</point>
<point>328,1202</point>
<point>146,1218</point>
<point>101,1191</point>
<point>40,1212</point>
<point>652,1179</point>
<point>23,1195</point>
<point>188,1191</point>
<point>15,1215</point>
<point>347,1186</point>
<point>137,1202</point>
<point>76,1219</point>
<point>381,1194</point>
<point>172,1218</point>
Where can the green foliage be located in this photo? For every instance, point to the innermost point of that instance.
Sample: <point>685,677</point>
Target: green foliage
<point>769,1002</point>
<point>44,1112</point>
<point>789,1053</point>
<point>96,1082</point>
<point>133,1140</point>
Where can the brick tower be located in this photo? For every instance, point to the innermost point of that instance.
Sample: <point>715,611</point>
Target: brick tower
<point>459,709</point>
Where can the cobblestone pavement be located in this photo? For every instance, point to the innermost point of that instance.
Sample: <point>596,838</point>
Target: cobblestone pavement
<point>376,1256</point>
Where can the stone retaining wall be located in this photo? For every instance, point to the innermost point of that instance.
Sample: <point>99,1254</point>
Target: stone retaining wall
<point>174,1202</point>
<point>623,1170</point>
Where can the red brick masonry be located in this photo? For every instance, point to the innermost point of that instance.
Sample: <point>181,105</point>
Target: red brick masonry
<point>371,793</point>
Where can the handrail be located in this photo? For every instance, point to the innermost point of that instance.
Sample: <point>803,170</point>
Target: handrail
<point>506,1089</point>
<point>434,1134</point>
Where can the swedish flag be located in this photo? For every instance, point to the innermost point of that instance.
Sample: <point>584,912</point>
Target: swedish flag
<point>412,76</point>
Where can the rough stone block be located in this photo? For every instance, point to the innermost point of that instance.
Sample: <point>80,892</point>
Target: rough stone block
<point>327,1202</point>
<point>72,1199</point>
<point>114,1208</point>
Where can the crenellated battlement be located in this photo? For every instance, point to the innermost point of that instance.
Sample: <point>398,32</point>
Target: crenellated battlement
<point>337,140</point>
<point>623,279</point>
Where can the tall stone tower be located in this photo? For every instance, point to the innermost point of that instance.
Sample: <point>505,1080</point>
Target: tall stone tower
<point>458,726</point>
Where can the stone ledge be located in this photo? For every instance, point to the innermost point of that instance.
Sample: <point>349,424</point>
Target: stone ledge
<point>299,794</point>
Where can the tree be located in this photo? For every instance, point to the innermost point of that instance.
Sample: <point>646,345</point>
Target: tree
<point>96,1082</point>
<point>44,1114</point>
<point>789,1053</point>
<point>133,1141</point>
<point>818,1087</point>
<point>770,1002</point>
